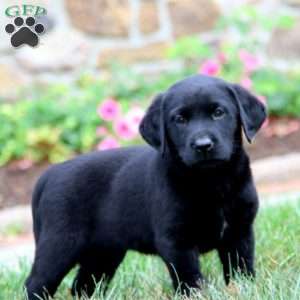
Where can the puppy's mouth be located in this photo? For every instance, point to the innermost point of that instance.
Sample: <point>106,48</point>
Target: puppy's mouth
<point>204,162</point>
<point>209,163</point>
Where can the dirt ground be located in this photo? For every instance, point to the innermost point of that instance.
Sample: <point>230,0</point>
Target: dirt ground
<point>278,138</point>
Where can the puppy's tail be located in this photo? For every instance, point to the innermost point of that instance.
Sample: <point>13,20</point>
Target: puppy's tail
<point>36,196</point>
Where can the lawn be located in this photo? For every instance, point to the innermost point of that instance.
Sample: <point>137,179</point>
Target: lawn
<point>145,277</point>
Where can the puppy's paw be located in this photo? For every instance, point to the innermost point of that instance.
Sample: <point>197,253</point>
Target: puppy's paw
<point>202,282</point>
<point>190,290</point>
<point>233,289</point>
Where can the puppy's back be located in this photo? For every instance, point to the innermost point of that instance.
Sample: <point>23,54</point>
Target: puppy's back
<point>75,188</point>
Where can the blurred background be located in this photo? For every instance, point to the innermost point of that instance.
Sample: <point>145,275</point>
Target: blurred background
<point>100,62</point>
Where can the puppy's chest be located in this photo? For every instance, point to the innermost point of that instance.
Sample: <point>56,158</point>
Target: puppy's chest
<point>205,227</point>
<point>203,219</point>
<point>202,195</point>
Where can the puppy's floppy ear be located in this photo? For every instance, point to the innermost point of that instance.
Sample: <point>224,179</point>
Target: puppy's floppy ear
<point>252,111</point>
<point>152,127</point>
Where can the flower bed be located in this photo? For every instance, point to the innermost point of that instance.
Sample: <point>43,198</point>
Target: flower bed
<point>57,122</point>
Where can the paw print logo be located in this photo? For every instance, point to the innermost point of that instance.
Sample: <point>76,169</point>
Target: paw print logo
<point>24,32</point>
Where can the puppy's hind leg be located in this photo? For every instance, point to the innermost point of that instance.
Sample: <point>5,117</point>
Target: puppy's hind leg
<point>54,257</point>
<point>96,266</point>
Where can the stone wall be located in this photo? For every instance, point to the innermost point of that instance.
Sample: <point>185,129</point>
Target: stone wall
<point>135,19</point>
<point>89,34</point>
<point>105,18</point>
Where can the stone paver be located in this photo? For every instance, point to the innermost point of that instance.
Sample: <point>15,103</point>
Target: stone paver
<point>11,256</point>
<point>277,179</point>
<point>277,169</point>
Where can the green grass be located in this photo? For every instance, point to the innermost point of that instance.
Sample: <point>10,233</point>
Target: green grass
<point>144,277</point>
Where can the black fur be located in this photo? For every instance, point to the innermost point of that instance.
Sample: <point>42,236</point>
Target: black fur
<point>190,193</point>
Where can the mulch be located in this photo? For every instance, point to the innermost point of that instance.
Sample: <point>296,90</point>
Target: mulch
<point>280,137</point>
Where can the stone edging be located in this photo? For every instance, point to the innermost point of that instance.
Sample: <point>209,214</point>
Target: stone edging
<point>277,169</point>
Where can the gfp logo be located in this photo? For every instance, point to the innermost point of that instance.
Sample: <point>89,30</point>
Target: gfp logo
<point>25,29</point>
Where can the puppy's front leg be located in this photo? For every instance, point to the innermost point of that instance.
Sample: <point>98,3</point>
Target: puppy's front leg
<point>183,265</point>
<point>237,253</point>
<point>236,249</point>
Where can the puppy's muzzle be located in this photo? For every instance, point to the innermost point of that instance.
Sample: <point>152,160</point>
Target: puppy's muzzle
<point>202,144</point>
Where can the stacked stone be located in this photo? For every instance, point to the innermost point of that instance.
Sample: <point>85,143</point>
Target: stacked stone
<point>89,34</point>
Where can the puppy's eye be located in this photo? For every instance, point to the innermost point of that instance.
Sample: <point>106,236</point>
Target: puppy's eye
<point>218,113</point>
<point>179,119</point>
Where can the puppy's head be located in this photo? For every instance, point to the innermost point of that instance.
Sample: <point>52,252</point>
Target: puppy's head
<point>199,119</point>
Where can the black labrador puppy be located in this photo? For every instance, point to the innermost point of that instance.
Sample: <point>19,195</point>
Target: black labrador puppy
<point>189,193</point>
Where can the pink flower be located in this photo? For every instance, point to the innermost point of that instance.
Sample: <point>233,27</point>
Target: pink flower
<point>108,143</point>
<point>109,109</point>
<point>250,61</point>
<point>24,164</point>
<point>210,67</point>
<point>101,131</point>
<point>222,58</point>
<point>246,82</point>
<point>134,118</point>
<point>123,129</point>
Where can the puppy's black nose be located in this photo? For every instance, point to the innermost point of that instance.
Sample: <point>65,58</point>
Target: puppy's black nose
<point>203,144</point>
